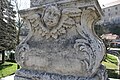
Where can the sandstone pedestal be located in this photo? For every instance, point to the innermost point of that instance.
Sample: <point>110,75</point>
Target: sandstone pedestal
<point>61,44</point>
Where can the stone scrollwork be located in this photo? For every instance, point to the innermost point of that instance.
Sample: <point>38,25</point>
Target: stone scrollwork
<point>89,46</point>
<point>87,55</point>
<point>21,52</point>
<point>61,44</point>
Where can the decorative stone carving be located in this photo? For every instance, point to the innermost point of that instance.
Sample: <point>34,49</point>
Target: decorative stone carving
<point>51,17</point>
<point>61,44</point>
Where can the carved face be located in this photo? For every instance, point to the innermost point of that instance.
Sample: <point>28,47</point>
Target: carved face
<point>51,16</point>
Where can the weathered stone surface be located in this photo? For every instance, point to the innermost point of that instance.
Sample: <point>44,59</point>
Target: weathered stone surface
<point>25,74</point>
<point>61,41</point>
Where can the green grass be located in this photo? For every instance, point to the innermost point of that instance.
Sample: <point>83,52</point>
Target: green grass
<point>7,69</point>
<point>111,64</point>
<point>112,59</point>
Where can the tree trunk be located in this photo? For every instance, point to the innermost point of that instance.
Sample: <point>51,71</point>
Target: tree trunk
<point>3,56</point>
<point>18,41</point>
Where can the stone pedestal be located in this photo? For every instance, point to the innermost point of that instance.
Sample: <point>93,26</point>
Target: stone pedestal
<point>61,44</point>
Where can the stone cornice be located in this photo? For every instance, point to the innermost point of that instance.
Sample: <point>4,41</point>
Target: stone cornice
<point>65,4</point>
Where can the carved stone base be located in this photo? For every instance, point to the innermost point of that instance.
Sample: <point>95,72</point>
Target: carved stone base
<point>61,43</point>
<point>25,74</point>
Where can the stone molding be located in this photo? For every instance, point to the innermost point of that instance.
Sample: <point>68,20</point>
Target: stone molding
<point>62,40</point>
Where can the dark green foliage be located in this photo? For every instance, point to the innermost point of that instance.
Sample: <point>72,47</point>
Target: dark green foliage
<point>7,26</point>
<point>100,29</point>
<point>12,57</point>
<point>115,29</point>
<point>109,26</point>
<point>112,73</point>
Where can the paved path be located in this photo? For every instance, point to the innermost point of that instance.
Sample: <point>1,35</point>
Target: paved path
<point>8,78</point>
<point>12,78</point>
<point>113,79</point>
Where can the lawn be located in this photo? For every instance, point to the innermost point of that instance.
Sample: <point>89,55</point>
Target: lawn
<point>111,63</point>
<point>7,68</point>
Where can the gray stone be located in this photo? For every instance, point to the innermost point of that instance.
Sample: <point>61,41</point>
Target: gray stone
<point>25,74</point>
<point>61,44</point>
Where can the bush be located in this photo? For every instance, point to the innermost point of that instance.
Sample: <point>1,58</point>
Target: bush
<point>12,56</point>
<point>112,73</point>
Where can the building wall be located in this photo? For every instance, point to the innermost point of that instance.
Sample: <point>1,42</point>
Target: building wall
<point>111,12</point>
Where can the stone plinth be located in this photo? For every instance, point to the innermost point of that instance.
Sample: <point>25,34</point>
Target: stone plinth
<point>61,44</point>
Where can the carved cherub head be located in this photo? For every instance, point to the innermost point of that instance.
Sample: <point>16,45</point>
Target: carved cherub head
<point>51,16</point>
